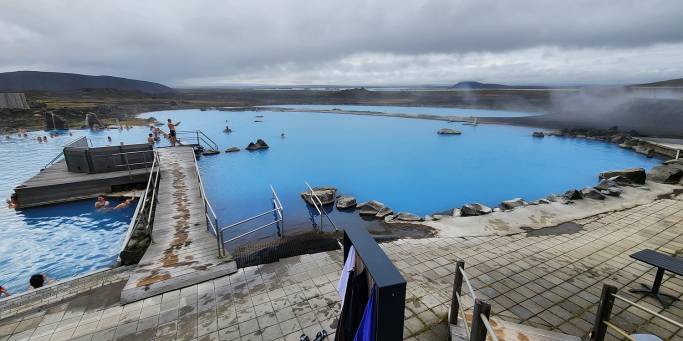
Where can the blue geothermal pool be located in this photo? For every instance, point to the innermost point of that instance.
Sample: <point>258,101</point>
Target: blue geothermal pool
<point>400,162</point>
<point>59,240</point>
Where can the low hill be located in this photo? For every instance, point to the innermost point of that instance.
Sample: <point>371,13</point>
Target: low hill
<point>671,82</point>
<point>20,81</point>
<point>471,85</point>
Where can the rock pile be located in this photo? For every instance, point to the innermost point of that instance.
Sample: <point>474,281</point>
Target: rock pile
<point>260,144</point>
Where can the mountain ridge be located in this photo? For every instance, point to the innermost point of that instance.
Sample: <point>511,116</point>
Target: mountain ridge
<point>20,81</point>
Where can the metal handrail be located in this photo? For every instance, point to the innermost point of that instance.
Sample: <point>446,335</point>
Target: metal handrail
<point>152,183</point>
<point>469,285</point>
<point>676,323</point>
<point>209,213</point>
<point>619,330</point>
<point>489,329</point>
<point>320,209</point>
<point>279,221</point>
<point>200,137</point>
<point>464,317</point>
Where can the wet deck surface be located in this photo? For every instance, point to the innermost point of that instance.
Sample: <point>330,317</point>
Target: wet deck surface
<point>56,184</point>
<point>182,253</point>
<point>550,282</point>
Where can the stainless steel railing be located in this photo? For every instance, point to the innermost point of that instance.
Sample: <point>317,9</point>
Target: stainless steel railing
<point>318,204</point>
<point>278,210</point>
<point>59,156</point>
<point>198,136</point>
<point>480,324</point>
<point>144,212</point>
<point>209,213</point>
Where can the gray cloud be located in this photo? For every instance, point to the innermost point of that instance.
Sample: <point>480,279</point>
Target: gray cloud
<point>334,41</point>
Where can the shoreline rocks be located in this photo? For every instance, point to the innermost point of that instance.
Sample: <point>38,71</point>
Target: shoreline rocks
<point>232,150</point>
<point>346,202</point>
<point>592,193</point>
<point>260,144</point>
<point>475,210</point>
<point>671,173</point>
<point>325,194</point>
<point>513,203</point>
<point>370,208</point>
<point>538,134</point>
<point>636,175</point>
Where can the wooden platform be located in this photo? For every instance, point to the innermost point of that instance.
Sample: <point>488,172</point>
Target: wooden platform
<point>510,331</point>
<point>182,252</point>
<point>56,184</point>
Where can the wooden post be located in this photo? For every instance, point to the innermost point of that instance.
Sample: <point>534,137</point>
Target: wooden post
<point>603,313</point>
<point>478,332</point>
<point>457,289</point>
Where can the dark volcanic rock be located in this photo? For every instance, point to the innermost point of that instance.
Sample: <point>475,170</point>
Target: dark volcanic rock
<point>260,144</point>
<point>592,193</point>
<point>636,175</point>
<point>649,152</point>
<point>371,207</point>
<point>572,194</point>
<point>232,150</point>
<point>612,191</point>
<point>346,202</point>
<point>666,174</point>
<point>448,131</point>
<point>405,216</point>
<point>512,203</point>
<point>384,212</point>
<point>325,194</point>
<point>474,210</point>
<point>538,134</point>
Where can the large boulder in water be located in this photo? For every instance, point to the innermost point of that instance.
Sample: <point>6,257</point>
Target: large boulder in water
<point>91,121</point>
<point>474,210</point>
<point>666,174</point>
<point>636,175</point>
<point>232,150</point>
<point>371,207</point>
<point>325,194</point>
<point>260,144</point>
<point>538,134</point>
<point>512,203</point>
<point>346,202</point>
<point>448,131</point>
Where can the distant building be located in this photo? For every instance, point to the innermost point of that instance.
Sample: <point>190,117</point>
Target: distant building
<point>12,100</point>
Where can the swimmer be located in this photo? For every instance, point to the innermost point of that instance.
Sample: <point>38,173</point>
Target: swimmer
<point>37,281</point>
<point>101,202</point>
<point>12,202</point>
<point>109,138</point>
<point>125,202</point>
<point>3,292</point>
<point>282,135</point>
<point>40,140</point>
<point>150,139</point>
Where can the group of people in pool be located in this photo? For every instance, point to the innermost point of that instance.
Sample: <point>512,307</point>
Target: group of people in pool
<point>102,203</point>
<point>172,135</point>
<point>36,281</point>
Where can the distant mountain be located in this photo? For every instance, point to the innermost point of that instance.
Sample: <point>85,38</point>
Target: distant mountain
<point>670,82</point>
<point>19,81</point>
<point>471,85</point>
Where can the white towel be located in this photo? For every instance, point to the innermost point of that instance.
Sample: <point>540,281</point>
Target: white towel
<point>349,266</point>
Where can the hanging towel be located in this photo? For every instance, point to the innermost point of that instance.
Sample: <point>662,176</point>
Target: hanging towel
<point>349,266</point>
<point>354,303</point>
<point>366,329</point>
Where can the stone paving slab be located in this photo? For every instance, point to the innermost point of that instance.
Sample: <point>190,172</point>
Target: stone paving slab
<point>550,282</point>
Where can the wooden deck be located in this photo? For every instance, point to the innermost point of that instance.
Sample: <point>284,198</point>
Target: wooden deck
<point>182,252</point>
<point>56,184</point>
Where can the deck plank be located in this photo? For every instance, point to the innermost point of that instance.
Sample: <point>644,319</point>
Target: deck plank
<point>183,253</point>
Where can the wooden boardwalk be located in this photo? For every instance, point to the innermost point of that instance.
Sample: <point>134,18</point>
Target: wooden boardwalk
<point>182,252</point>
<point>56,184</point>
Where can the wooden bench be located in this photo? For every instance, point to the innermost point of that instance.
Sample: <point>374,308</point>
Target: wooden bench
<point>663,262</point>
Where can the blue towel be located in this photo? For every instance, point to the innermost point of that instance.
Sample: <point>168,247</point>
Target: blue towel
<point>366,329</point>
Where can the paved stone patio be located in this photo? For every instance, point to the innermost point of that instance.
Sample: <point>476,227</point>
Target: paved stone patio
<point>551,282</point>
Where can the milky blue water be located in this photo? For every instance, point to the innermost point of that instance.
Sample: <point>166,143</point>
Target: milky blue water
<point>62,240</point>
<point>441,111</point>
<point>400,162</point>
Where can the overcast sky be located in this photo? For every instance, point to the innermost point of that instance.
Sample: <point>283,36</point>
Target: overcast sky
<point>198,43</point>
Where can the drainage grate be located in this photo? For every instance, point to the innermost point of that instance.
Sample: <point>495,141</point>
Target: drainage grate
<point>272,251</point>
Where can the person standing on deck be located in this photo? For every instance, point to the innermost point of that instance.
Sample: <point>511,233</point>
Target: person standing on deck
<point>172,132</point>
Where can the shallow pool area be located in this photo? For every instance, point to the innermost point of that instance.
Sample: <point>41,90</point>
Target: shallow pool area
<point>63,240</point>
<point>400,162</point>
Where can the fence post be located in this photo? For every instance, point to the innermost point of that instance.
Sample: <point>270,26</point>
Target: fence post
<point>478,332</point>
<point>457,289</point>
<point>603,313</point>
